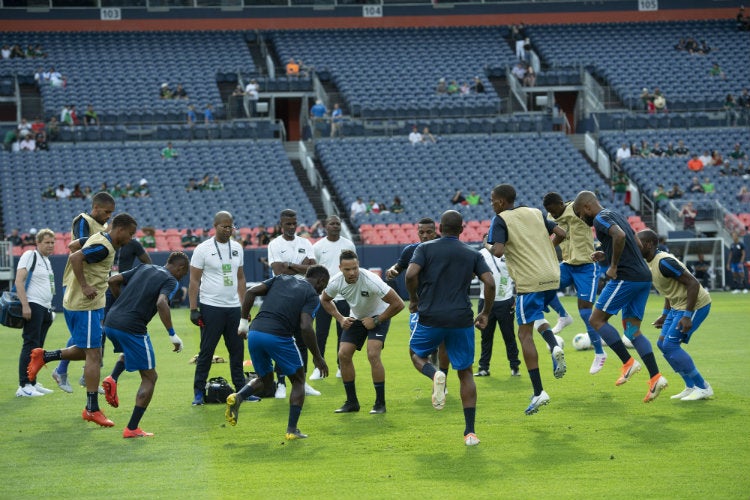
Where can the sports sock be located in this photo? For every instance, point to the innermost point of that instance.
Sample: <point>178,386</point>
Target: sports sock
<point>428,370</point>
<point>281,380</point>
<point>53,356</point>
<point>682,363</point>
<point>697,379</point>
<point>294,412</point>
<point>445,370</point>
<point>612,338</point>
<point>596,340</point>
<point>536,381</point>
<point>646,352</point>
<point>118,369</point>
<point>469,417</point>
<point>135,418</point>
<point>92,401</point>
<point>351,392</point>
<point>246,390</point>
<point>557,306</point>
<point>379,392</point>
<point>549,337</point>
<point>63,366</point>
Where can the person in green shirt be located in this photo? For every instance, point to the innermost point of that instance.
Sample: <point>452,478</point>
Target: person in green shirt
<point>620,187</point>
<point>473,198</point>
<point>660,195</point>
<point>168,152</point>
<point>215,184</point>
<point>148,240</point>
<point>90,117</point>
<point>708,186</point>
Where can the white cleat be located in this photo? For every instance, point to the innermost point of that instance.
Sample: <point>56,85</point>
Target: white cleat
<point>310,391</point>
<point>686,391</point>
<point>598,363</point>
<point>562,322</point>
<point>28,391</point>
<point>280,391</point>
<point>338,373</point>
<point>315,375</point>
<point>438,390</point>
<point>40,388</point>
<point>699,393</point>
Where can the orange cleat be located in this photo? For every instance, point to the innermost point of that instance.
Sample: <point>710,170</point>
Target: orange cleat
<point>35,364</point>
<point>137,433</point>
<point>110,391</point>
<point>97,417</point>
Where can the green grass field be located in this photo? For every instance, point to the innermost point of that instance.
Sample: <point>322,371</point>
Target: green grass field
<point>594,440</point>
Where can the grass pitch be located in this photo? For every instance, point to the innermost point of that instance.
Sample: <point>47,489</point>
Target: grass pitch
<point>594,440</point>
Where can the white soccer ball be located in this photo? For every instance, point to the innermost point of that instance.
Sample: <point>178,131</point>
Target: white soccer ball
<point>581,342</point>
<point>627,342</point>
<point>560,342</point>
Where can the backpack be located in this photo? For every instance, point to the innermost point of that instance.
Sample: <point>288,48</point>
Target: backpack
<point>11,309</point>
<point>217,390</point>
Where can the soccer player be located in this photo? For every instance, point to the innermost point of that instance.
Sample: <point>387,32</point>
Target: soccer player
<point>627,288</point>
<point>438,279</point>
<point>217,271</point>
<point>327,252</point>
<point>149,289</point>
<point>83,305</point>
<point>522,235</point>
<point>372,304</point>
<point>83,226</point>
<point>289,305</point>
<point>577,268</point>
<point>686,306</point>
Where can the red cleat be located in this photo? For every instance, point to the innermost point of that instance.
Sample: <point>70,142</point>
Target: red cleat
<point>137,433</point>
<point>97,417</point>
<point>110,391</point>
<point>35,364</point>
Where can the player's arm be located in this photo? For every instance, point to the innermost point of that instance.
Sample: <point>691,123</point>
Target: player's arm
<point>308,335</point>
<point>412,283</point>
<point>248,299</point>
<point>660,320</point>
<point>302,267</point>
<point>115,284</point>
<point>165,315</point>
<point>395,306</point>
<point>558,235</point>
<point>326,302</point>
<point>497,237</point>
<point>393,271</point>
<point>76,245</point>
<point>488,282</point>
<point>21,275</point>
<point>144,257</point>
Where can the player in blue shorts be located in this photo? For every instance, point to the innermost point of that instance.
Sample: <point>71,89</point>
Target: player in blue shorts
<point>686,306</point>
<point>438,279</point>
<point>627,289</point>
<point>139,294</point>
<point>577,268</point>
<point>289,306</point>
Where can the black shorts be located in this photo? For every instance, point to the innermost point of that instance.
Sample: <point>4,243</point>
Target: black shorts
<point>357,334</point>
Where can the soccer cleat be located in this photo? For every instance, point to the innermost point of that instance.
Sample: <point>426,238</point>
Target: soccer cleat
<point>378,409</point>
<point>198,400</point>
<point>338,373</point>
<point>290,436</point>
<point>699,393</point>
<point>537,401</point>
<point>562,322</point>
<point>62,381</point>
<point>97,417</point>
<point>438,390</point>
<point>28,391</point>
<point>310,391</point>
<point>558,362</point>
<point>110,391</point>
<point>315,375</point>
<point>280,391</point>
<point>598,363</point>
<point>232,412</point>
<point>252,399</point>
<point>514,372</point>
<point>82,381</point>
<point>471,439</point>
<point>35,363</point>
<point>628,370</point>
<point>348,407</point>
<point>136,433</point>
<point>40,388</point>
<point>685,392</point>
<point>482,373</point>
<point>655,386</point>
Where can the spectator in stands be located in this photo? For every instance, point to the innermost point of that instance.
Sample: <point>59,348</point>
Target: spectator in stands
<point>27,143</point>
<point>179,92</point>
<point>458,198</point>
<point>56,79</point>
<point>519,71</point>
<point>744,195</point>
<point>716,159</point>
<point>681,149</point>
<point>190,240</point>
<point>708,187</point>
<point>5,51</point>
<point>660,101</point>
<point>657,151</point>
<point>90,117</point>
<point>688,214</point>
<point>736,264</point>
<point>478,86</point>
<point>737,153</point>
<point>680,45</point>
<point>77,192</point>
<point>415,137</point>
<point>442,87</point>
<point>529,79</point>
<point>38,129</point>
<point>694,164</point>
<point>731,110</point>
<point>292,68</point>
<point>427,137</point>
<point>396,206</point>
<point>373,207</point>
<point>704,48</point>
<point>142,191</point>
<point>16,52</point>
<point>168,152</point>
<point>464,89</point>
<point>357,208</point>
<point>676,192</point>
<point>701,270</point>
<point>473,198</point>
<point>9,140</point>
<point>635,150</point>
<point>24,128</point>
<point>741,19</point>
<point>743,102</point>
<point>648,100</point>
<point>215,184</point>
<point>304,69</point>
<point>192,185</point>
<point>337,120</point>
<point>252,91</point>
<point>660,194</point>
<point>725,169</point>
<point>695,186</point>
<point>620,188</point>
<point>670,151</point>
<point>452,88</point>
<point>148,240</point>
<point>53,129</point>
<point>165,92</point>
<point>706,158</point>
<point>192,117</point>
<point>29,240</point>
<point>623,153</point>
<point>208,115</point>
<point>14,237</point>
<point>317,115</point>
<point>49,193</point>
<point>717,72</point>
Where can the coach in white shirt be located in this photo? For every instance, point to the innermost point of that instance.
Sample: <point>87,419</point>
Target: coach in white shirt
<point>291,254</point>
<point>373,303</point>
<point>216,270</point>
<point>623,153</point>
<point>36,305</point>
<point>327,252</point>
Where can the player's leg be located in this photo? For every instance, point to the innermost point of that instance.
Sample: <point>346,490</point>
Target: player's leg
<point>375,343</point>
<point>530,308</point>
<point>345,310</point>
<point>612,298</point>
<point>142,400</point>
<point>670,342</point>
<point>322,328</point>
<point>109,384</point>
<point>351,340</point>
<point>459,343</point>
<point>296,401</point>
<point>423,342</point>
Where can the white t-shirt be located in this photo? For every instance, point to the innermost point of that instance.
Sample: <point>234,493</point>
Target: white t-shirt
<point>503,281</point>
<point>358,207</point>
<point>218,285</point>
<point>252,91</point>
<point>62,193</point>
<point>623,153</point>
<point>41,288</point>
<point>295,251</point>
<point>365,296</point>
<point>327,254</point>
<point>415,137</point>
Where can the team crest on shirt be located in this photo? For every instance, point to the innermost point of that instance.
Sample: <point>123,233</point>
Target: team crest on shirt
<point>364,293</point>
<point>235,253</point>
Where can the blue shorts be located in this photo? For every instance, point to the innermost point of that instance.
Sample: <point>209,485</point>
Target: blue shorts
<point>85,327</point>
<point>736,267</point>
<point>669,329</point>
<point>459,342</point>
<point>137,348</point>
<point>265,347</point>
<point>584,278</point>
<point>530,306</point>
<point>413,320</point>
<point>630,296</point>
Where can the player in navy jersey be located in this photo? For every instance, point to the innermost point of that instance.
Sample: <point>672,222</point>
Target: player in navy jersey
<point>149,290</point>
<point>289,306</point>
<point>627,289</point>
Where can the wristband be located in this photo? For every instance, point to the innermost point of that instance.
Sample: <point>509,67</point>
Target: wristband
<point>170,331</point>
<point>244,324</point>
<point>664,312</point>
<point>688,314</point>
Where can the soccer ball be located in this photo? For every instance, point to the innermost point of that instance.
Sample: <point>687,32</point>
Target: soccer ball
<point>560,342</point>
<point>581,342</point>
<point>627,342</point>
